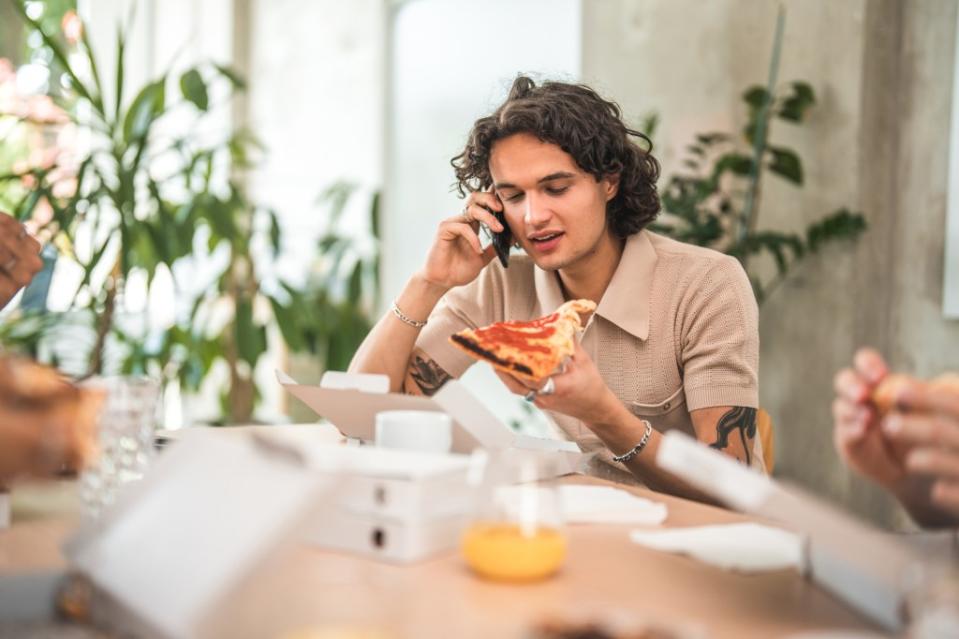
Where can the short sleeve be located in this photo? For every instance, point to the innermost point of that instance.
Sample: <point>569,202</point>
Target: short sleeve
<point>476,304</point>
<point>720,340</point>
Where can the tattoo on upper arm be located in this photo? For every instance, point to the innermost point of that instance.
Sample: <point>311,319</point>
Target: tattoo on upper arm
<point>424,376</point>
<point>738,418</point>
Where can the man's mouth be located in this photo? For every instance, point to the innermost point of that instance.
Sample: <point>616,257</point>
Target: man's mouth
<point>542,238</point>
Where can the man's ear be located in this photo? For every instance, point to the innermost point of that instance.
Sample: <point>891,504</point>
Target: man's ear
<point>611,185</point>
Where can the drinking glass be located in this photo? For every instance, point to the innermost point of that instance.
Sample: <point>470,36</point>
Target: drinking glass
<point>124,439</point>
<point>517,532</point>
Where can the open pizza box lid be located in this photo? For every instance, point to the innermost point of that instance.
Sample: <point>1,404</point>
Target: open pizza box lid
<point>351,401</point>
<point>862,565</point>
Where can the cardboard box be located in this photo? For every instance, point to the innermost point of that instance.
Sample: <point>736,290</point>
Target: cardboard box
<point>351,403</point>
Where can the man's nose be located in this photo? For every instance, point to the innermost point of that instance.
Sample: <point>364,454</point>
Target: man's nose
<point>537,213</point>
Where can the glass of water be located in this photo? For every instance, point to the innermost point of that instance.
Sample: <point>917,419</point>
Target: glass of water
<point>124,439</point>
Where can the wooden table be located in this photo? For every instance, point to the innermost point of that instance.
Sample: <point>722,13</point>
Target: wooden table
<point>606,576</point>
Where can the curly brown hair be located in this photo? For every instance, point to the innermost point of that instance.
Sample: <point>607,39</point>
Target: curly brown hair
<point>580,122</point>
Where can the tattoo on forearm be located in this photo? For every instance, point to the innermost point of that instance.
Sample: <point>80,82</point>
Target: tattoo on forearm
<point>739,418</point>
<point>428,376</point>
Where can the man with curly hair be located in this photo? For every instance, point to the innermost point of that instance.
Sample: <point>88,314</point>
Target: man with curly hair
<point>674,340</point>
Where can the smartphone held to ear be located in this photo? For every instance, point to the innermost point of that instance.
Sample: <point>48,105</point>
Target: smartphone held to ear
<point>502,241</point>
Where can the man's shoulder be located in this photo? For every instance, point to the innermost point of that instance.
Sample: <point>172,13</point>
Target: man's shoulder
<point>689,257</point>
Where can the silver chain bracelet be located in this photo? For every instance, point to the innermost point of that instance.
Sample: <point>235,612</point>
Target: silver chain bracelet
<point>406,320</point>
<point>638,448</point>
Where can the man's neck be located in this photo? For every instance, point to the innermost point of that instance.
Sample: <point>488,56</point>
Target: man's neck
<point>590,276</point>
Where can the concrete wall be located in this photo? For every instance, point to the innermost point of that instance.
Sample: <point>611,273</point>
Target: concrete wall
<point>877,141</point>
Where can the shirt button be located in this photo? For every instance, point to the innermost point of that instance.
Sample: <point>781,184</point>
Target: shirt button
<point>666,406</point>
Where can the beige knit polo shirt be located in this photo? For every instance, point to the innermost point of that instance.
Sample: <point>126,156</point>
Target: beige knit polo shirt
<point>676,330</point>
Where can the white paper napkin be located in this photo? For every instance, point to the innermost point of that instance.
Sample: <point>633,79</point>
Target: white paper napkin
<point>745,547</point>
<point>607,505</point>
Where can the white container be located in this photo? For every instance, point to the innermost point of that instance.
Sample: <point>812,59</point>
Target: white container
<point>392,505</point>
<point>421,430</point>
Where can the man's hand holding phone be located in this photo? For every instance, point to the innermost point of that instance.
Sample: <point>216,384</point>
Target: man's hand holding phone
<point>457,255</point>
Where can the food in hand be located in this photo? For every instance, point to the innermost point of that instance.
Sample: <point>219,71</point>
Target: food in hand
<point>885,394</point>
<point>530,350</point>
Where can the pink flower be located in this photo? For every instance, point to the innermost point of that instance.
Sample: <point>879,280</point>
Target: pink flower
<point>7,72</point>
<point>72,27</point>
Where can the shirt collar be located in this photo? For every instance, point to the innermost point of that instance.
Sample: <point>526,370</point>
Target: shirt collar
<point>627,298</point>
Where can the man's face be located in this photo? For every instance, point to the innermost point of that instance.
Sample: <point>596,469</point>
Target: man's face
<point>557,212</point>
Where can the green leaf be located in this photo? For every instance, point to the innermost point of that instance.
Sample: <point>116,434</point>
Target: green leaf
<point>787,164</point>
<point>736,163</point>
<point>275,236</point>
<point>838,225</point>
<point>250,339</point>
<point>755,97</point>
<point>800,99</point>
<point>146,107</point>
<point>235,78</point>
<point>708,139</point>
<point>286,321</point>
<point>194,89</point>
<point>375,215</point>
<point>355,288</point>
<point>94,70</point>
<point>121,72</point>
<point>648,125</point>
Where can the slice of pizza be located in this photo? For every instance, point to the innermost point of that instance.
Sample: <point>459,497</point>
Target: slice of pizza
<point>530,350</point>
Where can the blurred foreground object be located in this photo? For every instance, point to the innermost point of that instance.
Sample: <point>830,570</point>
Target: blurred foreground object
<point>47,425</point>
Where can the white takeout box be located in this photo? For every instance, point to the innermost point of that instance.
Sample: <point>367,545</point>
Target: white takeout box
<point>393,505</point>
<point>212,509</point>
<point>351,401</point>
<point>860,564</point>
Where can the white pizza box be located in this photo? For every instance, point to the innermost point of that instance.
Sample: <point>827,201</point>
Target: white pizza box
<point>866,567</point>
<point>351,402</point>
<point>393,505</point>
<point>210,511</point>
<point>397,485</point>
<point>388,539</point>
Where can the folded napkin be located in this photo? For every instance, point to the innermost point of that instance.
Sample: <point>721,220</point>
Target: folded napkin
<point>607,505</point>
<point>745,547</point>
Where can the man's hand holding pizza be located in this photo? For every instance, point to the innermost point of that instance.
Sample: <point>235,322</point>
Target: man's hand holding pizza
<point>577,389</point>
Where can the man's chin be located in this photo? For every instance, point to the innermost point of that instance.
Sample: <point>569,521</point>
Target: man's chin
<point>551,263</point>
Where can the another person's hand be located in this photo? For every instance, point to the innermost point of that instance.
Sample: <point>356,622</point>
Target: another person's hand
<point>856,433</point>
<point>928,426</point>
<point>578,389</point>
<point>19,257</point>
<point>457,257</point>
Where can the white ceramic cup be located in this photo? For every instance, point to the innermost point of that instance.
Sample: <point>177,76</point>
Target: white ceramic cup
<point>422,430</point>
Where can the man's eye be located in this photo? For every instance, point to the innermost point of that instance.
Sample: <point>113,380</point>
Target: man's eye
<point>515,198</point>
<point>557,190</point>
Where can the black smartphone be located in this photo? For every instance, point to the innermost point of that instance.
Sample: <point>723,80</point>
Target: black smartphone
<point>502,241</point>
